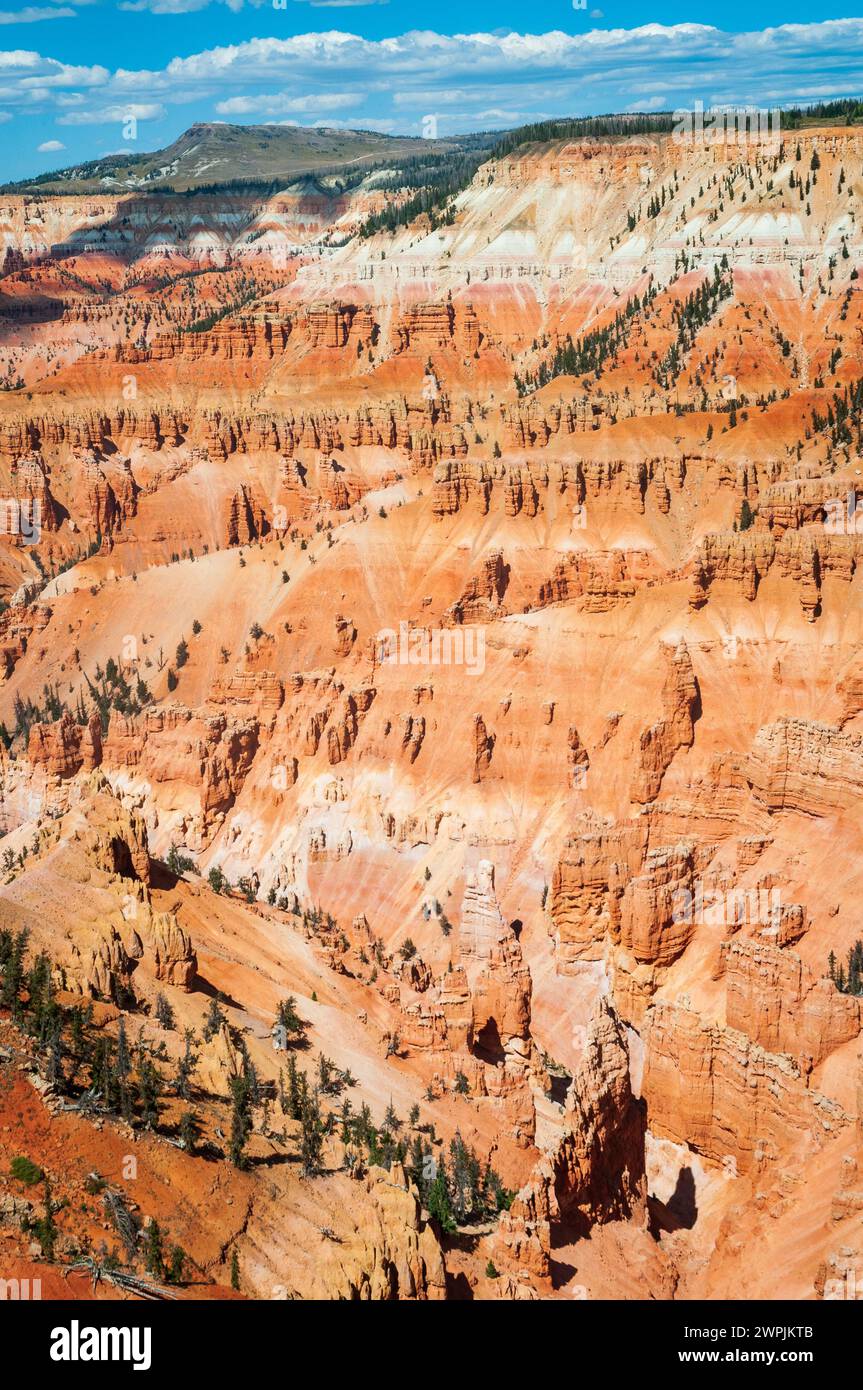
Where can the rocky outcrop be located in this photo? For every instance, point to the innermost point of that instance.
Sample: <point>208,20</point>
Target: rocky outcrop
<point>115,838</point>
<point>722,1094</point>
<point>65,747</point>
<point>388,440</point>
<point>799,765</point>
<point>476,1017</point>
<point>596,1172</point>
<point>483,741</point>
<point>377,1246</point>
<point>39,509</point>
<point>681,707</point>
<point>597,580</point>
<point>499,979</point>
<point>426,326</point>
<point>744,559</point>
<point>776,1001</point>
<point>245,518</point>
<point>653,927</point>
<point>204,758</point>
<point>396,1257</point>
<point>253,339</point>
<point>586,891</point>
<point>19,624</point>
<point>175,962</point>
<point>577,757</point>
<point>482,597</point>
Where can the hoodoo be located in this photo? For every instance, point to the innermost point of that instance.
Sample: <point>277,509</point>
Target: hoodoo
<point>431,710</point>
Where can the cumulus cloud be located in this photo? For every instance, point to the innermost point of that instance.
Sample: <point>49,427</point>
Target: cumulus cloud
<point>340,4</point>
<point>383,127</point>
<point>470,77</point>
<point>23,72</point>
<point>50,146</point>
<point>278,103</point>
<point>175,6</point>
<point>657,102</point>
<point>104,115</point>
<point>36,14</point>
<point>191,6</point>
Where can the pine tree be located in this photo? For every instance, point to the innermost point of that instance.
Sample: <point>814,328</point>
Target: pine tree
<point>288,1018</point>
<point>164,1012</point>
<point>312,1141</point>
<point>45,1228</point>
<point>174,1272</point>
<point>214,1020</point>
<point>463,1179</point>
<point>41,1004</point>
<point>54,1069</point>
<point>189,1130</point>
<point>79,1041</point>
<point>416,1166</point>
<point>104,1076</point>
<point>325,1071</point>
<point>241,1120</point>
<point>293,1094</point>
<point>153,1257</point>
<point>345,1120</point>
<point>13,976</point>
<point>438,1200</point>
<point>122,1069</point>
<point>149,1089</point>
<point>186,1066</point>
<point>495,1197</point>
<point>855,969</point>
<point>235,1271</point>
<point>251,1076</point>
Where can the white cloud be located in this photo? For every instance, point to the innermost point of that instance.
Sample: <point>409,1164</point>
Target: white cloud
<point>468,76</point>
<point>175,6</point>
<point>50,146</point>
<point>36,14</point>
<point>339,4</point>
<point>278,103</point>
<point>103,115</point>
<point>384,127</point>
<point>659,102</point>
<point>192,6</point>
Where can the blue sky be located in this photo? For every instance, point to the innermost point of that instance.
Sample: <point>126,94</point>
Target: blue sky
<point>72,71</point>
